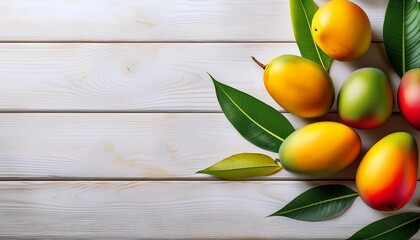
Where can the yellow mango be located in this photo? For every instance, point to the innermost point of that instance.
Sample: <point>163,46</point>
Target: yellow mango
<point>300,86</point>
<point>387,175</point>
<point>320,149</point>
<point>342,30</point>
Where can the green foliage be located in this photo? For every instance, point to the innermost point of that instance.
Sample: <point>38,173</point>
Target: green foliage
<point>401,32</point>
<point>401,226</point>
<point>302,12</point>
<point>243,165</point>
<point>319,203</point>
<point>256,121</point>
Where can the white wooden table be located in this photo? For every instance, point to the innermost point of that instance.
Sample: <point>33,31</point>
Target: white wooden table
<point>107,113</point>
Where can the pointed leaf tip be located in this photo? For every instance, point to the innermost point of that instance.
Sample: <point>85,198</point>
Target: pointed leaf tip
<point>401,226</point>
<point>319,203</point>
<point>242,166</point>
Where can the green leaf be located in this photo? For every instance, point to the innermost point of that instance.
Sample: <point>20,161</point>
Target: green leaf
<point>243,165</point>
<point>401,226</point>
<point>256,121</point>
<point>401,32</point>
<point>319,203</point>
<point>302,12</point>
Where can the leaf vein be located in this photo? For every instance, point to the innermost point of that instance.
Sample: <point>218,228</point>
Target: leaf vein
<point>313,41</point>
<point>249,117</point>
<point>392,229</point>
<point>321,202</point>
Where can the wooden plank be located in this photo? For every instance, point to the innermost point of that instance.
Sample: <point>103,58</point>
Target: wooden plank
<point>143,77</point>
<point>134,145</point>
<point>187,210</point>
<point>159,20</point>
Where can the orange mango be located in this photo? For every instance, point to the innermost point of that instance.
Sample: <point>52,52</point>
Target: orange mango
<point>342,30</point>
<point>387,175</point>
<point>320,149</point>
<point>300,86</point>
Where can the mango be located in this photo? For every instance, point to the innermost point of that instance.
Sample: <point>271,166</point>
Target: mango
<point>409,97</point>
<point>365,99</point>
<point>387,175</point>
<point>320,149</point>
<point>300,86</point>
<point>342,30</point>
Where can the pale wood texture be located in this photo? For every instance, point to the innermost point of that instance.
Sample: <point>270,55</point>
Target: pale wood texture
<point>186,210</point>
<point>134,145</point>
<point>106,113</point>
<point>157,20</point>
<point>144,77</point>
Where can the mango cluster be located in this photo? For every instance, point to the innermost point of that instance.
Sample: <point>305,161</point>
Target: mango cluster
<point>387,175</point>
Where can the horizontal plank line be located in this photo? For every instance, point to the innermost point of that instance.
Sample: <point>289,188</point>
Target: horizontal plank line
<point>178,179</point>
<point>111,111</point>
<point>133,111</point>
<point>169,179</point>
<point>149,42</point>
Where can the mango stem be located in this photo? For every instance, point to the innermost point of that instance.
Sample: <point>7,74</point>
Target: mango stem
<point>258,62</point>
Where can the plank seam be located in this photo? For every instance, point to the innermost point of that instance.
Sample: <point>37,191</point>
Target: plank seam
<point>166,41</point>
<point>180,179</point>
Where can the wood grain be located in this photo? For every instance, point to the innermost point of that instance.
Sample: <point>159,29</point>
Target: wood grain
<point>168,77</point>
<point>117,90</point>
<point>187,210</point>
<point>134,145</point>
<point>158,20</point>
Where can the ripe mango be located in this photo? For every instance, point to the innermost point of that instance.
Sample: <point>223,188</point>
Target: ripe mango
<point>365,99</point>
<point>300,86</point>
<point>409,97</point>
<point>342,30</point>
<point>320,149</point>
<point>387,175</point>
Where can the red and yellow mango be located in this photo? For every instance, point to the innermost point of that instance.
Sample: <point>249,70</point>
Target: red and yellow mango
<point>387,175</point>
<point>409,97</point>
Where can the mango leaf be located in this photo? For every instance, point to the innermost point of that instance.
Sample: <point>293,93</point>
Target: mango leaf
<point>256,121</point>
<point>243,165</point>
<point>401,32</point>
<point>319,203</point>
<point>401,226</point>
<point>302,12</point>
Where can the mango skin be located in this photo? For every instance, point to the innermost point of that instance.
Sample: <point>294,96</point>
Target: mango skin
<point>320,149</point>
<point>409,97</point>
<point>387,175</point>
<point>342,30</point>
<point>300,86</point>
<point>365,99</point>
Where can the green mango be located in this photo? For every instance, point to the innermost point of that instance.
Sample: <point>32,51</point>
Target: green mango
<point>365,99</point>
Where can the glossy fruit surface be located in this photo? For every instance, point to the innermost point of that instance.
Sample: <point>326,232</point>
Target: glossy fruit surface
<point>300,86</point>
<point>387,175</point>
<point>365,99</point>
<point>409,97</point>
<point>342,30</point>
<point>320,149</point>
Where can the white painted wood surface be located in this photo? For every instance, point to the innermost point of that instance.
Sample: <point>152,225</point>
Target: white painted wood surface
<point>157,20</point>
<point>150,209</point>
<point>117,91</point>
<point>143,77</point>
<point>135,145</point>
